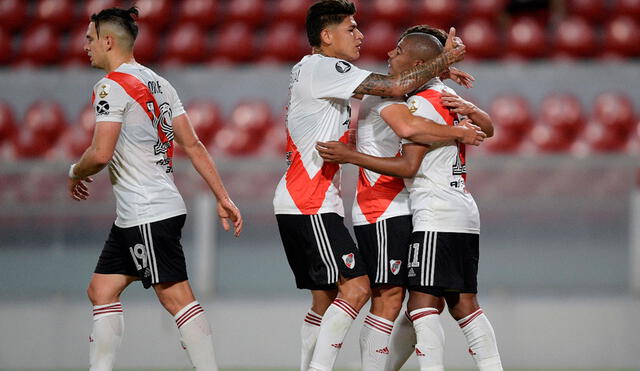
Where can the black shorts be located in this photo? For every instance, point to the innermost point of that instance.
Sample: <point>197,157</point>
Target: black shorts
<point>319,250</point>
<point>384,245</point>
<point>441,262</point>
<point>151,252</point>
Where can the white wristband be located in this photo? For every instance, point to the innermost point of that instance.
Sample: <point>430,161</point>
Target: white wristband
<point>71,174</point>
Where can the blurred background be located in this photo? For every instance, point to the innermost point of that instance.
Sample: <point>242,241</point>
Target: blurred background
<point>556,186</point>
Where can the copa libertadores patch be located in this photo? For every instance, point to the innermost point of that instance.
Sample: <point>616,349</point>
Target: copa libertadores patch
<point>342,66</point>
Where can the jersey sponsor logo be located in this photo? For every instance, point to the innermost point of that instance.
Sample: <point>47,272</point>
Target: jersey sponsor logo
<point>343,67</point>
<point>349,260</point>
<point>102,108</point>
<point>395,265</point>
<point>104,90</point>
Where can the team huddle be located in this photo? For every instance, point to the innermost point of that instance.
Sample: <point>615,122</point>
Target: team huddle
<point>415,223</point>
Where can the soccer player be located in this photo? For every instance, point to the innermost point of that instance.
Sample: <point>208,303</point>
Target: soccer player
<point>443,251</point>
<point>138,116</point>
<point>307,200</point>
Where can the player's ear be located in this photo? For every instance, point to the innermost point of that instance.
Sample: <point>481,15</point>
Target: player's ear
<point>418,62</point>
<point>326,36</point>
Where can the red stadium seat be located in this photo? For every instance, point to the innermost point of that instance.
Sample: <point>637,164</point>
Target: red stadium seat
<point>526,39</point>
<point>274,143</point>
<point>282,42</point>
<point>13,14</point>
<point>592,10</point>
<point>548,139</point>
<point>145,49</point>
<point>481,38</point>
<point>74,53</point>
<point>59,14</point>
<point>5,47</point>
<point>512,118</point>
<point>234,42</point>
<point>251,12</point>
<point>186,43</point>
<point>395,12</point>
<point>43,125</point>
<point>251,116</point>
<point>77,137</point>
<point>204,13</point>
<point>154,13</point>
<point>489,9</point>
<point>615,112</point>
<point>437,13</point>
<point>8,129</point>
<point>294,11</point>
<point>206,119</point>
<point>574,38</point>
<point>599,138</point>
<point>236,142</point>
<point>379,39</point>
<point>40,45</point>
<point>561,121</point>
<point>95,6</point>
<point>627,7</point>
<point>622,37</point>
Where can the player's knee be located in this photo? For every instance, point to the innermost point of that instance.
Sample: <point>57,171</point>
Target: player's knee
<point>357,295</point>
<point>99,297</point>
<point>463,308</point>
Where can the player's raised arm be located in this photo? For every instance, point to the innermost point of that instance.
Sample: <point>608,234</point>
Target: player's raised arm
<point>413,78</point>
<point>404,166</point>
<point>186,137</point>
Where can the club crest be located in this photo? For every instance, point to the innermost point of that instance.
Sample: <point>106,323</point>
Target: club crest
<point>349,260</point>
<point>395,265</point>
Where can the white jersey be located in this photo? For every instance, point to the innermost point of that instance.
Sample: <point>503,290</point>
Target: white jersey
<point>439,199</point>
<point>141,169</point>
<point>378,197</point>
<point>318,110</point>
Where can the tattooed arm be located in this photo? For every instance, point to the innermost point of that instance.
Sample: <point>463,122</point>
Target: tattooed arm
<point>413,78</point>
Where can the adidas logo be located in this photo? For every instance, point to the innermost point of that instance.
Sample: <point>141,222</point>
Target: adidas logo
<point>419,353</point>
<point>384,350</point>
<point>339,345</point>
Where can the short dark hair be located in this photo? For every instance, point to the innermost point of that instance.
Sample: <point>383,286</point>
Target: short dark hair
<point>439,34</point>
<point>324,13</point>
<point>124,18</point>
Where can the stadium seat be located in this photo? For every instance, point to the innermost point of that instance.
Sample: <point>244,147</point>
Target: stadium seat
<point>40,45</point>
<point>91,7</point>
<point>526,39</point>
<point>13,14</point>
<point>481,38</point>
<point>563,113</point>
<point>599,138</point>
<point>622,37</point>
<point>395,12</point>
<point>627,7</point>
<point>251,116</point>
<point>234,42</point>
<point>436,13</point>
<point>574,38</point>
<point>546,138</point>
<point>251,12</point>
<point>146,46</point>
<point>379,38</point>
<point>154,14</point>
<point>294,11</point>
<point>615,112</point>
<point>282,42</point>
<point>204,13</point>
<point>186,43</point>
<point>206,119</point>
<point>59,14</point>
<point>236,142</point>
<point>74,53</point>
<point>5,47</point>
<point>512,119</point>
<point>42,126</point>
<point>488,9</point>
<point>8,128</point>
<point>77,137</point>
<point>593,10</point>
<point>275,142</point>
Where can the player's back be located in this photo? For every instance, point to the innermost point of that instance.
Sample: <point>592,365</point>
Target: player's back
<point>141,169</point>
<point>438,194</point>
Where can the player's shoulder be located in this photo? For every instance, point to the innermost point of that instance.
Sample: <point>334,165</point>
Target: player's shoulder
<point>326,64</point>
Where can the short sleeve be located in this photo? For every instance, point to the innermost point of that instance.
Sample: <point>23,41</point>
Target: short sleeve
<point>335,78</point>
<point>420,106</point>
<point>110,101</point>
<point>386,103</point>
<point>177,108</point>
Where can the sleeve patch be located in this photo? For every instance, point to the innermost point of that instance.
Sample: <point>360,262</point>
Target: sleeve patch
<point>102,108</point>
<point>343,67</point>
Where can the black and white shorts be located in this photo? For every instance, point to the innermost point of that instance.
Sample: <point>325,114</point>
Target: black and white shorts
<point>441,262</point>
<point>152,252</point>
<point>319,250</point>
<point>384,245</point>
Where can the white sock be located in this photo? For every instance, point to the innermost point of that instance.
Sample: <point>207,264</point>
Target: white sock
<point>430,339</point>
<point>106,336</point>
<point>309,335</point>
<point>374,342</point>
<point>401,344</point>
<point>481,340</point>
<point>335,324</point>
<point>196,338</point>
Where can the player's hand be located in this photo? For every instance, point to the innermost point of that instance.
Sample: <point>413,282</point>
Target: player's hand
<point>78,190</point>
<point>456,104</point>
<point>227,210</point>
<point>454,48</point>
<point>334,151</point>
<point>472,134</point>
<point>459,77</point>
